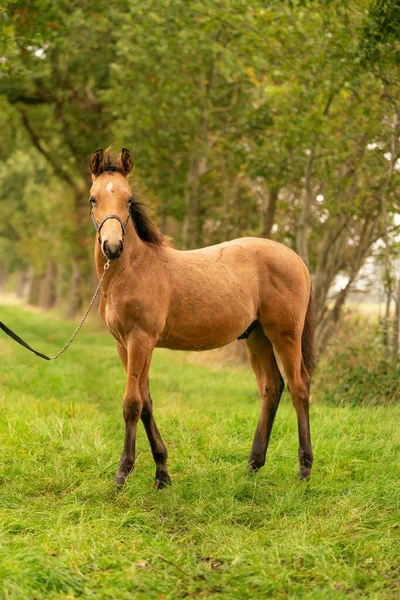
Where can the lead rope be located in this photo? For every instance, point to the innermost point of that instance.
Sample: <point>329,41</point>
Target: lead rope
<point>71,339</point>
<point>15,337</point>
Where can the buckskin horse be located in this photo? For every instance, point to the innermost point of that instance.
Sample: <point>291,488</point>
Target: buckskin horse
<point>156,296</point>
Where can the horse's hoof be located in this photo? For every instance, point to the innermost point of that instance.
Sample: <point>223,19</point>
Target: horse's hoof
<point>120,479</point>
<point>162,481</point>
<point>254,465</point>
<point>304,473</point>
<point>122,476</point>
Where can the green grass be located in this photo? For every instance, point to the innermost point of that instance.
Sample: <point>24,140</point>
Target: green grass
<point>67,532</point>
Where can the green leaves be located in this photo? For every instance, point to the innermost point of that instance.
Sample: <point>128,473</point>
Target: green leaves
<point>220,102</point>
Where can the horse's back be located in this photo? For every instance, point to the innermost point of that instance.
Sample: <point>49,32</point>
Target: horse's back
<point>251,261</point>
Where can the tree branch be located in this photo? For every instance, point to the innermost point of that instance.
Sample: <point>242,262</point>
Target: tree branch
<point>58,169</point>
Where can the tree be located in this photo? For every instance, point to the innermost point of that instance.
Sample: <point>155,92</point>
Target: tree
<point>245,119</point>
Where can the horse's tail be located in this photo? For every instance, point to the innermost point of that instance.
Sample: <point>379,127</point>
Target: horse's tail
<point>307,338</point>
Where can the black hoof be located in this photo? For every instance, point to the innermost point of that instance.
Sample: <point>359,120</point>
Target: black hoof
<point>122,475</point>
<point>254,465</point>
<point>304,473</point>
<point>120,479</point>
<point>162,481</point>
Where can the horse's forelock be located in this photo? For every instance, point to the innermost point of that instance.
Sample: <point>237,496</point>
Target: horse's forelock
<point>111,162</point>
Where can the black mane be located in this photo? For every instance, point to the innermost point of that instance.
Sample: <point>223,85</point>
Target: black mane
<point>145,227</point>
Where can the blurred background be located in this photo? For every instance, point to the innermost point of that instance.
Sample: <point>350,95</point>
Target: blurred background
<point>276,119</point>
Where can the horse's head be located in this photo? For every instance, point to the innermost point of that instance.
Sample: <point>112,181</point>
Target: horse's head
<point>110,198</point>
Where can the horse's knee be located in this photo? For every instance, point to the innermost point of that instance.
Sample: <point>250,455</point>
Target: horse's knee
<point>132,408</point>
<point>271,389</point>
<point>300,394</point>
<point>299,385</point>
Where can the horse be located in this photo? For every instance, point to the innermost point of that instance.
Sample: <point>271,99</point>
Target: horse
<point>154,295</point>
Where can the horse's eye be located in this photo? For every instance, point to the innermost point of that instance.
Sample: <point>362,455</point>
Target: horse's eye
<point>130,201</point>
<point>92,201</point>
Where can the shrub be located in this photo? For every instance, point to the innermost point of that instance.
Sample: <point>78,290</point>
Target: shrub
<point>354,370</point>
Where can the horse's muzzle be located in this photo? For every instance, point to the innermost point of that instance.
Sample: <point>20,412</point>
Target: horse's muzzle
<point>112,250</point>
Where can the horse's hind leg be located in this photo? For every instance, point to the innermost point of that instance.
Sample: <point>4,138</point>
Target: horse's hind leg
<point>270,386</point>
<point>298,379</point>
<point>158,448</point>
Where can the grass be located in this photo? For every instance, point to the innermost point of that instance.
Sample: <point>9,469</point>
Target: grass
<point>67,532</point>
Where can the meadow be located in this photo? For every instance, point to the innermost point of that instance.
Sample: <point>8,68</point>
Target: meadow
<point>218,532</point>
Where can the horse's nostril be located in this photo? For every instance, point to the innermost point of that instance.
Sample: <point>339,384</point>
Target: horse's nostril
<point>113,250</point>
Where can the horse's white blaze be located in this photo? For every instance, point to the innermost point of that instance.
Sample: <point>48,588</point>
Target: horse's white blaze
<point>109,186</point>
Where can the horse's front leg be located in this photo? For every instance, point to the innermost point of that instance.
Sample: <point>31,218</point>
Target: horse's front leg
<point>139,350</point>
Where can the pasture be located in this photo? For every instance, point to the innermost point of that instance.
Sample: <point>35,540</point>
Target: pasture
<point>219,532</point>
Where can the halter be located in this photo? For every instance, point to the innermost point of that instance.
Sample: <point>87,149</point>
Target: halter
<point>99,226</point>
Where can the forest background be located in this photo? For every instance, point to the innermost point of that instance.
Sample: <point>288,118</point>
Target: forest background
<point>276,119</point>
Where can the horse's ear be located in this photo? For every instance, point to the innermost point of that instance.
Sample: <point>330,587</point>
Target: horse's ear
<point>126,162</point>
<point>96,162</point>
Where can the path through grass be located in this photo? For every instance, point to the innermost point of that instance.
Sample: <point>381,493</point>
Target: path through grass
<point>67,532</point>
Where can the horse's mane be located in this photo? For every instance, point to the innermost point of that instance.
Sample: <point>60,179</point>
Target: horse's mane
<point>145,227</point>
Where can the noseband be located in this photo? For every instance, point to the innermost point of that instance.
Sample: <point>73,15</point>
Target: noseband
<point>99,226</point>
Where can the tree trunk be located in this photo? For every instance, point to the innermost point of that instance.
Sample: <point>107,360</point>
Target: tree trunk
<point>387,262</point>
<point>47,292</point>
<point>330,261</point>
<point>3,277</point>
<point>396,324</point>
<point>25,283</point>
<point>307,202</point>
<point>197,168</point>
<point>268,211</point>
<point>34,290</point>
<point>81,268</point>
<point>75,294</point>
<point>386,318</point>
<point>329,318</point>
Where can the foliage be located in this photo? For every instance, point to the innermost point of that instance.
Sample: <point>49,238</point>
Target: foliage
<point>354,371</point>
<point>31,210</point>
<point>218,532</point>
<point>280,120</point>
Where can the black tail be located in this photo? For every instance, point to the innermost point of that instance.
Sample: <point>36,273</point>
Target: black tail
<point>307,338</point>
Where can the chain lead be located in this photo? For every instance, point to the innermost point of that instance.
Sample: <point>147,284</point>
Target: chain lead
<point>106,267</point>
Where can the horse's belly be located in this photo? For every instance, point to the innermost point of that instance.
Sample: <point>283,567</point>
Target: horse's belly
<point>177,343</point>
<point>213,330</point>
<point>174,342</point>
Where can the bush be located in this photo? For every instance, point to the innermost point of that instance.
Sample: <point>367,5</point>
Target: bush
<point>354,370</point>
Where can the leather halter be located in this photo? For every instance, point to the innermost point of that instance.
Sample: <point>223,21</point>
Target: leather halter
<point>99,226</point>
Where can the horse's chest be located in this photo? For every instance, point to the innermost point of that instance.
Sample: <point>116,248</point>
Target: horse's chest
<point>114,320</point>
<point>120,319</point>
